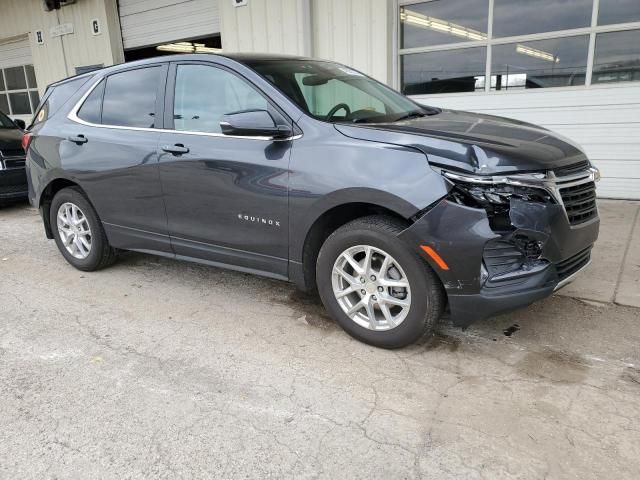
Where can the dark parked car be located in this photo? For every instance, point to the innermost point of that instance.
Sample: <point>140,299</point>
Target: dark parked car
<point>13,179</point>
<point>309,171</point>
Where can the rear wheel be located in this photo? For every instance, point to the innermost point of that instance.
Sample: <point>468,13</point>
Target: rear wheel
<point>78,232</point>
<point>379,291</point>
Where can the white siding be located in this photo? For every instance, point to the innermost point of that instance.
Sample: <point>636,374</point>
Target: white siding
<point>603,119</point>
<point>151,22</point>
<point>358,33</point>
<point>59,56</point>
<point>271,26</point>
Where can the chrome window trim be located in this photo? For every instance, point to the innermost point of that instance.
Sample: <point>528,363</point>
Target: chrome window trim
<point>73,116</point>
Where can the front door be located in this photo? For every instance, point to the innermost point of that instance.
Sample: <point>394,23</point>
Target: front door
<point>226,197</point>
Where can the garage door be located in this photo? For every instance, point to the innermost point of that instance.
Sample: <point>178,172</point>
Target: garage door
<point>152,22</point>
<point>18,89</point>
<point>603,119</point>
<point>15,52</point>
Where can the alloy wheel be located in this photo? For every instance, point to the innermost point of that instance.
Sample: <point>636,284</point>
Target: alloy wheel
<point>74,230</point>
<point>371,287</point>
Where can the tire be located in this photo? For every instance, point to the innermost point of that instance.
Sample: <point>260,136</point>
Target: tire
<point>376,237</point>
<point>100,254</point>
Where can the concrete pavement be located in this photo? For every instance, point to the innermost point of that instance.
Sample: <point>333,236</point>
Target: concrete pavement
<point>614,273</point>
<point>162,369</point>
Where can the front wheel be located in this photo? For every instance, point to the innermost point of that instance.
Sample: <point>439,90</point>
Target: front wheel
<point>379,291</point>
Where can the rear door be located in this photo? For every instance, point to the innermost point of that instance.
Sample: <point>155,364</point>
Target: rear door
<point>226,197</point>
<point>110,147</point>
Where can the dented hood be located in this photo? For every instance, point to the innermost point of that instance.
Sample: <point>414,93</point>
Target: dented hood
<point>482,144</point>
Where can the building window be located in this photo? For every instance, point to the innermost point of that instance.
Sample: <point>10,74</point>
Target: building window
<point>558,62</point>
<point>618,11</point>
<point>522,17</point>
<point>449,46</point>
<point>441,22</point>
<point>444,71</point>
<point>18,90</point>
<point>617,57</point>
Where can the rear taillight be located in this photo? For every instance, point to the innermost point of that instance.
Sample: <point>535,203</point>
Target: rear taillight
<point>26,140</point>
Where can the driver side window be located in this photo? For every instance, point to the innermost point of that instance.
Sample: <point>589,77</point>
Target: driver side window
<point>203,94</point>
<point>322,98</point>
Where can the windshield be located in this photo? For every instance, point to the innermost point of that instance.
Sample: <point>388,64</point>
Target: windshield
<point>5,122</point>
<point>335,93</point>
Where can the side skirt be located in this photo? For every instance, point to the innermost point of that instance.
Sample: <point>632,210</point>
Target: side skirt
<point>162,245</point>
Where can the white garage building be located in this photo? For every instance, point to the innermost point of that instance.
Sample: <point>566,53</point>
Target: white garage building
<point>572,66</point>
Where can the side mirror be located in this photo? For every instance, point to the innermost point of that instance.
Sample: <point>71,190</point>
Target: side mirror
<point>20,123</point>
<point>253,123</point>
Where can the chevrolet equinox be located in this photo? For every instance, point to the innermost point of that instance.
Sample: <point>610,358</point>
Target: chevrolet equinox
<point>309,171</point>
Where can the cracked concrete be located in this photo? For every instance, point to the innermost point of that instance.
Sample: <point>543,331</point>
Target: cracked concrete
<point>161,369</point>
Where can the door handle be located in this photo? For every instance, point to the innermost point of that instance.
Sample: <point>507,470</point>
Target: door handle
<point>78,139</point>
<point>177,149</point>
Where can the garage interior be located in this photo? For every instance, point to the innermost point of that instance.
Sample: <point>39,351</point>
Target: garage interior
<point>151,29</point>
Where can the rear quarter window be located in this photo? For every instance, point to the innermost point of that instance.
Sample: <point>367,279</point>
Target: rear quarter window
<point>55,97</point>
<point>91,109</point>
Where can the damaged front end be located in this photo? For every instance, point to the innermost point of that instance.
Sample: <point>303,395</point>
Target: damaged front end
<point>509,240</point>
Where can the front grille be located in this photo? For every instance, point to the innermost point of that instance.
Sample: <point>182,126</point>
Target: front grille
<point>14,163</point>
<point>12,152</point>
<point>571,265</point>
<point>580,202</point>
<point>571,169</point>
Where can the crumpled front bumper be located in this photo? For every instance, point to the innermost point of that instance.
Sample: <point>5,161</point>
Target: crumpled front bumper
<point>462,236</point>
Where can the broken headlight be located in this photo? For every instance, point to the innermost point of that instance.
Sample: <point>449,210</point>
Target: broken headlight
<point>494,194</point>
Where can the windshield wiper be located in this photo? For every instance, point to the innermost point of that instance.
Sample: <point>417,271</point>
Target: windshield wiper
<point>370,119</point>
<point>418,113</point>
<point>408,115</point>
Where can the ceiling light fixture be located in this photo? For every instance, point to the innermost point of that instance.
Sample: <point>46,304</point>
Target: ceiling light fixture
<point>187,47</point>
<point>439,25</point>
<point>534,52</point>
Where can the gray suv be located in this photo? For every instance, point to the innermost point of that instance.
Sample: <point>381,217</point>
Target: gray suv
<point>311,172</point>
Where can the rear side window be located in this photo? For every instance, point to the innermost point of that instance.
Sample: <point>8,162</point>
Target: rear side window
<point>91,110</point>
<point>130,98</point>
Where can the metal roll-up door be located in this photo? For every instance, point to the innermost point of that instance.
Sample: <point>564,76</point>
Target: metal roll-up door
<point>153,22</point>
<point>15,52</point>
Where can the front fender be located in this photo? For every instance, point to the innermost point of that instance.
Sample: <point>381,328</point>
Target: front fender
<point>458,234</point>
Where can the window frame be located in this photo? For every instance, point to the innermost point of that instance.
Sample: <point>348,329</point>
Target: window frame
<point>591,31</point>
<point>164,109</point>
<point>159,105</point>
<point>6,91</point>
